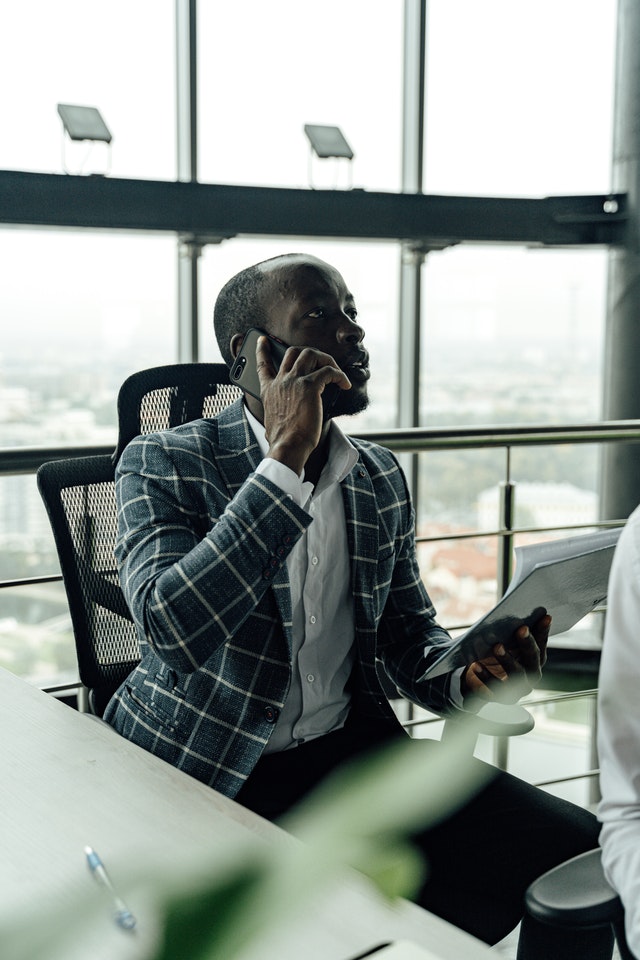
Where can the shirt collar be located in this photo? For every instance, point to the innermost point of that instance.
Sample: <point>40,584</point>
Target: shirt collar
<point>342,458</point>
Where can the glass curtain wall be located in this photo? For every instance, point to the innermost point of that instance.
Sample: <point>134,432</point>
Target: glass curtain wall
<point>518,103</point>
<point>79,310</point>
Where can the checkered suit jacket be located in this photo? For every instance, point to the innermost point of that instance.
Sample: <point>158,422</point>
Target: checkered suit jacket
<point>202,549</point>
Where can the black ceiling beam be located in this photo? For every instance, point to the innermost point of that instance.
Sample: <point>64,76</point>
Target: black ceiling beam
<point>214,211</point>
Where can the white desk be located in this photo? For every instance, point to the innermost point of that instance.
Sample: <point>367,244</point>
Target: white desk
<point>67,781</point>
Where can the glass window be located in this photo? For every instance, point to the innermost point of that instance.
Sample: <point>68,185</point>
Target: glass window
<point>371,272</point>
<point>36,640</point>
<point>512,336</point>
<point>519,97</point>
<point>266,69</point>
<point>81,312</point>
<point>118,57</point>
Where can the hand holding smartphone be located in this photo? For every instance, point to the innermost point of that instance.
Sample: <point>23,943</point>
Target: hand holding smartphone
<point>244,371</point>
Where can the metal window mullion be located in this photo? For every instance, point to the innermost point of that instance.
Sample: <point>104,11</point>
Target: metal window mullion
<point>411,258</point>
<point>187,162</point>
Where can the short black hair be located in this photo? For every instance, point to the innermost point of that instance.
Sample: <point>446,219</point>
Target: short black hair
<point>239,306</point>
<point>241,302</point>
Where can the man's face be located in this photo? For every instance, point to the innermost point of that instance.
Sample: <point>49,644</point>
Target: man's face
<point>309,305</point>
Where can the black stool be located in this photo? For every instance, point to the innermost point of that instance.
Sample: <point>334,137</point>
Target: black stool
<point>576,895</point>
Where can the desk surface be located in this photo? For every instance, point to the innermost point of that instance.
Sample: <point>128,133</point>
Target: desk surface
<point>68,781</point>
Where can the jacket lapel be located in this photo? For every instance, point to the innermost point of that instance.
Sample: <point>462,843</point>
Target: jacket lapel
<point>237,452</point>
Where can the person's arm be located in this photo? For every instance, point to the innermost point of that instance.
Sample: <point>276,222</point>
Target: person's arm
<point>410,640</point>
<point>191,583</point>
<point>619,729</point>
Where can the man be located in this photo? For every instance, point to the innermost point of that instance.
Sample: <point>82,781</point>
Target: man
<point>619,729</point>
<point>270,565</point>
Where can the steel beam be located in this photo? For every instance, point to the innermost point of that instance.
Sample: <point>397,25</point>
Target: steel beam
<point>210,212</point>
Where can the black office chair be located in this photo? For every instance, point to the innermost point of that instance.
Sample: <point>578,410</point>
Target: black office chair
<point>79,495</point>
<point>163,397</point>
<point>577,896</point>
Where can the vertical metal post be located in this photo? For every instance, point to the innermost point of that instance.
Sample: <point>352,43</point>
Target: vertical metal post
<point>409,346</point>
<point>505,523</point>
<point>594,795</point>
<point>505,564</point>
<point>411,260</point>
<point>621,462</point>
<point>187,151</point>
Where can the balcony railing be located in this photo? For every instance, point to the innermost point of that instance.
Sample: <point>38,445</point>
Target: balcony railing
<point>26,460</point>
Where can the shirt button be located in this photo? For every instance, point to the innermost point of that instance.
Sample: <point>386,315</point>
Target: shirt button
<point>312,619</point>
<point>314,560</point>
<point>310,677</point>
<point>270,714</point>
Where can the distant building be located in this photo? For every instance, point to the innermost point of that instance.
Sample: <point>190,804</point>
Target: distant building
<point>541,505</point>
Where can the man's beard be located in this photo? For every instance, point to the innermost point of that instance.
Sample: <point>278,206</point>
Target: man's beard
<point>348,403</point>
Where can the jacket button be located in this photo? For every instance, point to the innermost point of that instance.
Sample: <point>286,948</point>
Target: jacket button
<point>271,714</point>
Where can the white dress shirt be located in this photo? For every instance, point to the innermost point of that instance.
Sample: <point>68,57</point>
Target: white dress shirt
<point>321,596</point>
<point>619,729</point>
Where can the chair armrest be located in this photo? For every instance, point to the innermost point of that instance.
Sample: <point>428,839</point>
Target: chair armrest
<point>503,720</point>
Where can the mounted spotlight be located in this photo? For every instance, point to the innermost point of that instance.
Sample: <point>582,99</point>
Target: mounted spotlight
<point>326,142</point>
<point>83,124</point>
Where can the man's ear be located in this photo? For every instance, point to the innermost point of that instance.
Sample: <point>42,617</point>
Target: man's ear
<point>235,343</point>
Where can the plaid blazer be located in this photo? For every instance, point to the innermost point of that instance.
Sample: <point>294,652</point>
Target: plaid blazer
<point>202,548</point>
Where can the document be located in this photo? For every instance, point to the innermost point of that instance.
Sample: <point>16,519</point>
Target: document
<point>566,578</point>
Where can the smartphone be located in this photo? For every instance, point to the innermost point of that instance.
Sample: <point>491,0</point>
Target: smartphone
<point>244,371</point>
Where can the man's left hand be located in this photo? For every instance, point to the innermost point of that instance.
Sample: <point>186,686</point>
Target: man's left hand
<point>512,669</point>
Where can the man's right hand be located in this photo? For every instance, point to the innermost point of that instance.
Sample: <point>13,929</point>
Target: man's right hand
<point>292,400</point>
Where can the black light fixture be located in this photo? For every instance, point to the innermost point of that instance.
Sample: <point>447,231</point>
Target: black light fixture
<point>326,142</point>
<point>83,124</point>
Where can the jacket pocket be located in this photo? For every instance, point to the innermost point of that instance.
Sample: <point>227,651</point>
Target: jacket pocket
<point>153,711</point>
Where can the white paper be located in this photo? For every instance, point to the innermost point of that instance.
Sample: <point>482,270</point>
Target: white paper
<point>567,578</point>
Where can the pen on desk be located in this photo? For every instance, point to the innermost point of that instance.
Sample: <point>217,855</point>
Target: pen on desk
<point>123,916</point>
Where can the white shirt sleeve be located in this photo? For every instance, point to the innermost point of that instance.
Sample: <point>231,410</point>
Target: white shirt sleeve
<point>285,478</point>
<point>619,729</point>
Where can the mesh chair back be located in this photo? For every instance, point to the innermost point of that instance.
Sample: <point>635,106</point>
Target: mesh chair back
<point>167,396</point>
<point>79,495</point>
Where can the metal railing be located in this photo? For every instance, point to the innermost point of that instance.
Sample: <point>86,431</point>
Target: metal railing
<point>26,460</point>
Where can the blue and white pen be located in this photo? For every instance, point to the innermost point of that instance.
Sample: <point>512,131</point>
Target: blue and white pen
<point>123,916</point>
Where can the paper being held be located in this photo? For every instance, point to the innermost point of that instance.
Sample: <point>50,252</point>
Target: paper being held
<point>567,578</point>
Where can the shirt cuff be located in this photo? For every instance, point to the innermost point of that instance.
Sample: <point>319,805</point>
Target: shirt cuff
<point>285,478</point>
